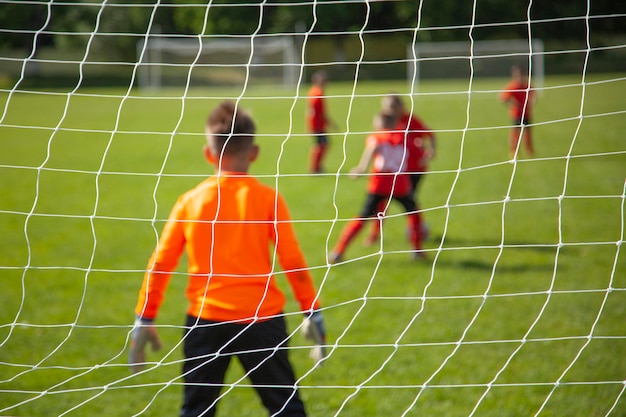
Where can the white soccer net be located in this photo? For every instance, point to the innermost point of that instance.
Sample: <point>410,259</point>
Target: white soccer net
<point>518,311</point>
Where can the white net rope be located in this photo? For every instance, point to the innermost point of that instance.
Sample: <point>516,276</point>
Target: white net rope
<point>518,310</point>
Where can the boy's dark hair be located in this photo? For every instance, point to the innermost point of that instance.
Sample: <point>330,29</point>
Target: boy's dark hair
<point>320,76</point>
<point>520,69</point>
<point>387,120</point>
<point>232,129</point>
<point>393,102</point>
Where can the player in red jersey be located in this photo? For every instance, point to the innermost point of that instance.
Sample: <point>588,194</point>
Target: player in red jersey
<point>388,180</point>
<point>226,225</point>
<point>520,97</point>
<point>318,121</point>
<point>420,147</point>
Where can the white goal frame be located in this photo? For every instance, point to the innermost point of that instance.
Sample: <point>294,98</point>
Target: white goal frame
<point>253,52</point>
<point>473,57</point>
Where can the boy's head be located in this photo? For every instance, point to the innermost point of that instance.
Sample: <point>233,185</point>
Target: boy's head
<point>518,72</point>
<point>230,134</point>
<point>392,103</point>
<point>385,120</point>
<point>319,77</point>
<point>229,129</point>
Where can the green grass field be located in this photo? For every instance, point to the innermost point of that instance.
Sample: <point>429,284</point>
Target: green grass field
<point>521,311</point>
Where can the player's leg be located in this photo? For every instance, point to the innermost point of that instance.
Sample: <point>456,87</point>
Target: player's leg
<point>528,140</point>
<point>269,369</point>
<point>203,369</point>
<point>416,181</point>
<point>377,223</point>
<point>351,230</point>
<point>414,221</point>
<point>514,140</point>
<point>318,152</point>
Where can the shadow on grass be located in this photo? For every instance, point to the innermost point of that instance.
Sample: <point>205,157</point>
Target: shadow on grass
<point>456,243</point>
<point>534,260</point>
<point>479,265</point>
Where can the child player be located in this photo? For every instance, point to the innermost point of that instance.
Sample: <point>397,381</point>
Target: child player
<point>520,98</point>
<point>226,225</point>
<point>318,121</point>
<point>420,147</point>
<point>388,179</point>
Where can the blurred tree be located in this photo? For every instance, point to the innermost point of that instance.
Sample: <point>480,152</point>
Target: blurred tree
<point>121,23</point>
<point>19,22</point>
<point>218,17</point>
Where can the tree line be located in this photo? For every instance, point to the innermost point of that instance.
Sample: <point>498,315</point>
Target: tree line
<point>119,24</point>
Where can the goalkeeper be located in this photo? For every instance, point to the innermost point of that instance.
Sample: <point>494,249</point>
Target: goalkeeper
<point>226,225</point>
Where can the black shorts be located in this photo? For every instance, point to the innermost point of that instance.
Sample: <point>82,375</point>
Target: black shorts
<point>320,138</point>
<point>521,121</point>
<point>373,200</point>
<point>261,349</point>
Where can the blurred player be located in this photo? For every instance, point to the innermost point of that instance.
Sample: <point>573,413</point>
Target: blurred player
<point>388,180</point>
<point>420,148</point>
<point>226,225</point>
<point>520,97</point>
<point>318,121</point>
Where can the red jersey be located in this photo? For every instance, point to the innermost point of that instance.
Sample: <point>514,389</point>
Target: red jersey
<point>227,225</point>
<point>388,176</point>
<point>520,97</point>
<point>416,133</point>
<point>316,111</point>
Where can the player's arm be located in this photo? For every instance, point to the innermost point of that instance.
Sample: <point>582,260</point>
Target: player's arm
<point>505,95</point>
<point>326,120</point>
<point>366,158</point>
<point>162,262</point>
<point>292,259</point>
<point>155,282</point>
<point>532,97</point>
<point>432,143</point>
<point>293,263</point>
<point>330,122</point>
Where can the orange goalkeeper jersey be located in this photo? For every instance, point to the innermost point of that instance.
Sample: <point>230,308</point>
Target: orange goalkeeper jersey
<point>229,226</point>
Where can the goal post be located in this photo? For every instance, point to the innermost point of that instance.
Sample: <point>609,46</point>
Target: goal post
<point>478,59</point>
<point>202,61</point>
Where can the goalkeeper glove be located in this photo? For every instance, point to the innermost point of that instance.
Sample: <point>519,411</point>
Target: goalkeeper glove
<point>144,332</point>
<point>313,330</point>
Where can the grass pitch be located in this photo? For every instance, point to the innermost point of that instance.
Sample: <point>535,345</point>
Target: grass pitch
<point>520,311</point>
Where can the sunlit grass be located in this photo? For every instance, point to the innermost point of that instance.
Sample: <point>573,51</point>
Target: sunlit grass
<point>524,288</point>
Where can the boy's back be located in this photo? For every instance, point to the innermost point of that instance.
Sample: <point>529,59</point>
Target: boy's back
<point>232,217</point>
